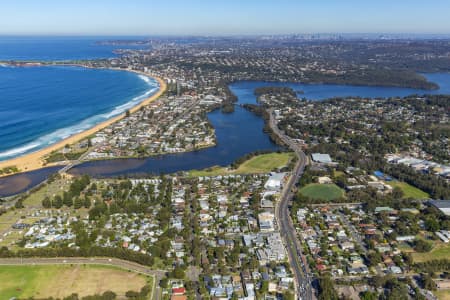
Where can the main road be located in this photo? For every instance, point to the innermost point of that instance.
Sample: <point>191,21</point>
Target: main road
<point>299,267</point>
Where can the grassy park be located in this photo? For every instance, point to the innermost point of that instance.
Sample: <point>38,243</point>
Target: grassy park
<point>409,191</point>
<point>44,281</point>
<point>440,251</point>
<point>326,192</point>
<point>263,163</point>
<point>442,294</point>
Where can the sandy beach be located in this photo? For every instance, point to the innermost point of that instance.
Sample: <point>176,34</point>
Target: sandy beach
<point>35,160</point>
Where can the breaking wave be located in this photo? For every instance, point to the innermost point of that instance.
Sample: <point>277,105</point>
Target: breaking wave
<point>63,133</point>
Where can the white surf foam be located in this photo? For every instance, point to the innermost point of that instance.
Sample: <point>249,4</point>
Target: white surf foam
<point>18,151</point>
<point>63,133</point>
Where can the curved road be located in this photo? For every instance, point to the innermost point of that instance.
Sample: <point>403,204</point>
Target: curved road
<point>301,272</point>
<point>127,265</point>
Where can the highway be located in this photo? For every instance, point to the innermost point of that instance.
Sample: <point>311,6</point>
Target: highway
<point>301,271</point>
<point>127,265</point>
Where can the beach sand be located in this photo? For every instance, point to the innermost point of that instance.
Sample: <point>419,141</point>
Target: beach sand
<point>35,160</point>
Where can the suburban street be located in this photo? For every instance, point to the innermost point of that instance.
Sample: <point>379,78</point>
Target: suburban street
<point>294,249</point>
<point>356,236</point>
<point>127,265</point>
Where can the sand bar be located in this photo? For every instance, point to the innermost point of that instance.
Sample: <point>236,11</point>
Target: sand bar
<point>35,160</point>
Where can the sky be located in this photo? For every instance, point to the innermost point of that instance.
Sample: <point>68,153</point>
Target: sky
<point>226,17</point>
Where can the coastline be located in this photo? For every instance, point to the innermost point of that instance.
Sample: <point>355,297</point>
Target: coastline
<point>35,160</point>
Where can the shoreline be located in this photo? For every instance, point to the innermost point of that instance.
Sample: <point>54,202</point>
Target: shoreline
<point>35,160</point>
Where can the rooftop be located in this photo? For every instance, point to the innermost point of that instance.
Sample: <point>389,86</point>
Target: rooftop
<point>322,158</point>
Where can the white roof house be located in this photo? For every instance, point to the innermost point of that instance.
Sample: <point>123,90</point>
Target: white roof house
<point>321,158</point>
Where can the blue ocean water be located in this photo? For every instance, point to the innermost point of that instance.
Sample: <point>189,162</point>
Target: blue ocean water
<point>59,48</point>
<point>43,105</point>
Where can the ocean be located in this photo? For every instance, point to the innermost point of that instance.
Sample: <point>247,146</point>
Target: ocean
<point>45,48</point>
<point>43,105</point>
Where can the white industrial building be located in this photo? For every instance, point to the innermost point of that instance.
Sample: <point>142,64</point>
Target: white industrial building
<point>442,205</point>
<point>275,181</point>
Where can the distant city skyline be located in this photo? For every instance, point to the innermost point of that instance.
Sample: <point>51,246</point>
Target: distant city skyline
<point>232,17</point>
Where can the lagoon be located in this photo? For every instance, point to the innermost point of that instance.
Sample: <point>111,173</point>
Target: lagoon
<point>240,132</point>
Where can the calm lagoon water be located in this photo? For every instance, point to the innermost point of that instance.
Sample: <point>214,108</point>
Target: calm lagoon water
<point>241,132</point>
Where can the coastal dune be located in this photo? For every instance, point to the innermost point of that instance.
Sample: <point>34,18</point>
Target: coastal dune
<point>36,160</point>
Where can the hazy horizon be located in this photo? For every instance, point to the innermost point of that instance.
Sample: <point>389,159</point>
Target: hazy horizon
<point>223,18</point>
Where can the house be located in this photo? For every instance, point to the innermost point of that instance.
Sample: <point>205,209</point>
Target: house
<point>321,267</point>
<point>406,238</point>
<point>356,269</point>
<point>266,221</point>
<point>178,291</point>
<point>395,270</point>
<point>381,209</point>
<point>324,180</point>
<point>347,246</point>
<point>442,237</point>
<point>249,290</point>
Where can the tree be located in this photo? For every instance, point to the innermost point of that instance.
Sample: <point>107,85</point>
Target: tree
<point>264,287</point>
<point>368,295</point>
<point>47,203</point>
<point>87,202</point>
<point>57,202</point>
<point>422,246</point>
<point>82,238</point>
<point>109,295</point>
<point>19,204</point>
<point>397,193</point>
<point>78,203</point>
<point>74,296</point>
<point>67,199</point>
<point>341,181</point>
<point>97,211</point>
<point>374,258</point>
<point>288,296</point>
<point>132,294</point>
<point>432,224</point>
<point>145,290</point>
<point>178,273</point>
<point>428,282</point>
<point>164,283</point>
<point>326,289</point>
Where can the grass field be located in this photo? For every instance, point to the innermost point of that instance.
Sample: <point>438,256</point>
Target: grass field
<point>326,192</point>
<point>55,188</point>
<point>62,280</point>
<point>442,294</point>
<point>440,251</point>
<point>263,163</point>
<point>409,190</point>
